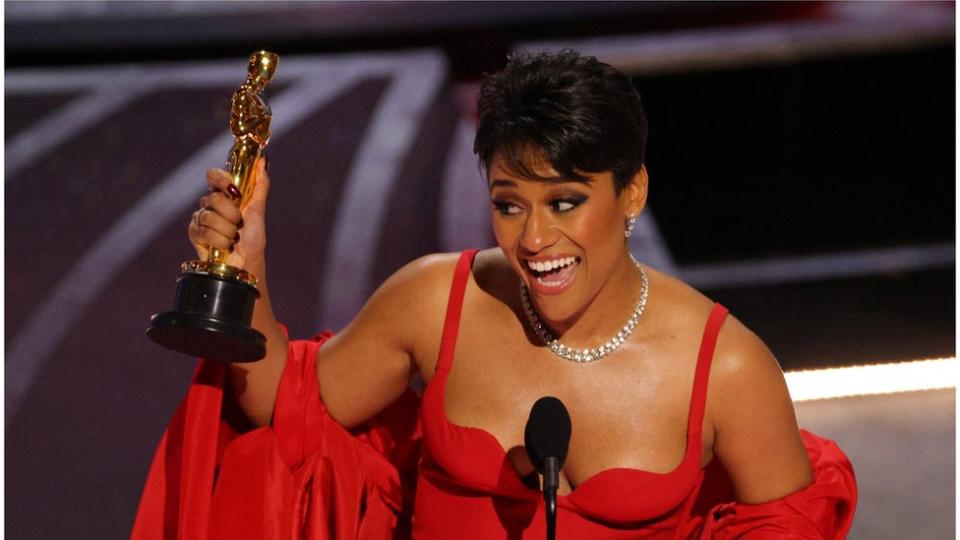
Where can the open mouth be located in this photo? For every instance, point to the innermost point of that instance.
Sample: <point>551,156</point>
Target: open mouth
<point>553,275</point>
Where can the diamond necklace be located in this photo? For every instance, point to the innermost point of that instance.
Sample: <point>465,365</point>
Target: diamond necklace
<point>588,354</point>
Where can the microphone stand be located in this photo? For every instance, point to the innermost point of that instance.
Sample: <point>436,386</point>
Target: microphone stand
<point>551,482</point>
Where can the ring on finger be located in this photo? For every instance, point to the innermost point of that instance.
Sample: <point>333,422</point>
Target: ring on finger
<point>196,216</point>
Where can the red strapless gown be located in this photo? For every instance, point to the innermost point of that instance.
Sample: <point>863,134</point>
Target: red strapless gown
<point>307,477</point>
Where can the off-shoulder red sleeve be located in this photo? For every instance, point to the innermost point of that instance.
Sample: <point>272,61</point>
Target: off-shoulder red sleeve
<point>822,510</point>
<point>208,481</point>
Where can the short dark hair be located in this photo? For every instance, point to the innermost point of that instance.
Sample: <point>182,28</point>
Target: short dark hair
<point>579,113</point>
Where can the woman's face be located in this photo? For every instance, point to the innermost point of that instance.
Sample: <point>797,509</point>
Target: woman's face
<point>563,237</point>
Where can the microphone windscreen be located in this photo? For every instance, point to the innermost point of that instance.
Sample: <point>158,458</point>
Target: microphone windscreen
<point>548,432</point>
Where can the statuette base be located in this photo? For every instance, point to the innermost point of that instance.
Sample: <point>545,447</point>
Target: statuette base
<point>211,319</point>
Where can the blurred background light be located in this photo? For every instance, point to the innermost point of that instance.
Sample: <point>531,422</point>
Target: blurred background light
<point>872,379</point>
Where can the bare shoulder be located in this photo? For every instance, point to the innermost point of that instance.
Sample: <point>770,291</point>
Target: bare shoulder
<point>413,297</point>
<point>681,308</point>
<point>675,308</point>
<point>494,275</point>
<point>406,309</point>
<point>743,361</point>
<point>746,383</point>
<point>750,423</point>
<point>756,436</point>
<point>371,359</point>
<point>420,283</point>
<point>421,271</point>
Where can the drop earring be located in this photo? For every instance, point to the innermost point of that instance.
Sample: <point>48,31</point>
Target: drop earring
<point>631,222</point>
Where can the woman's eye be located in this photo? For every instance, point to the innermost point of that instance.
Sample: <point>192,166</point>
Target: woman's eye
<point>506,208</point>
<point>566,205</point>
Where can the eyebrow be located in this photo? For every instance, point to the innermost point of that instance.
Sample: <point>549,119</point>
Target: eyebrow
<point>501,182</point>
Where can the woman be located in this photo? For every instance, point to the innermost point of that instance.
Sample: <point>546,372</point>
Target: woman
<point>668,395</point>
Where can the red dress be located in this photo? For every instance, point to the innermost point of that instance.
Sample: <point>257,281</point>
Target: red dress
<point>307,477</point>
<point>467,482</point>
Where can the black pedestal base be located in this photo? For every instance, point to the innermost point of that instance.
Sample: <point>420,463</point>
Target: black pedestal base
<point>211,319</point>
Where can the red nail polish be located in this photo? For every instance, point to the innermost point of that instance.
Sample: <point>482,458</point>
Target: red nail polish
<point>213,189</point>
<point>233,191</point>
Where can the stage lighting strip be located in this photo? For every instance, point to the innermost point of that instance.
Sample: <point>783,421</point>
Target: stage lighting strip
<point>872,379</point>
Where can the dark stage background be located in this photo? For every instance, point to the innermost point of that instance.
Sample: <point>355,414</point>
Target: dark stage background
<point>802,163</point>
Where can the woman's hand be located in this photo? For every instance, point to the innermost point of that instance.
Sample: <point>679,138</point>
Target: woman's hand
<point>220,224</point>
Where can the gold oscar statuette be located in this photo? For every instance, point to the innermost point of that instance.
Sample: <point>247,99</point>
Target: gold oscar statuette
<point>214,300</point>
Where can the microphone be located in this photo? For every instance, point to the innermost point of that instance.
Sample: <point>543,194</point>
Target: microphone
<point>546,439</point>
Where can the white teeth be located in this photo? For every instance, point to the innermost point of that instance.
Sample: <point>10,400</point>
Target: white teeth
<point>548,283</point>
<point>550,265</point>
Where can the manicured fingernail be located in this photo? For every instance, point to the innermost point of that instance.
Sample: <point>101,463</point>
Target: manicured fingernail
<point>233,191</point>
<point>240,225</point>
<point>213,189</point>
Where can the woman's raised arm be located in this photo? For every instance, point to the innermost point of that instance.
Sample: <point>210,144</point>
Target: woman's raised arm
<point>363,368</point>
<point>369,364</point>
